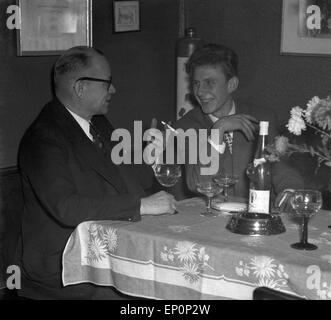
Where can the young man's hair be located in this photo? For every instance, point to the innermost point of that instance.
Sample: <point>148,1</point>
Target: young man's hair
<point>214,55</point>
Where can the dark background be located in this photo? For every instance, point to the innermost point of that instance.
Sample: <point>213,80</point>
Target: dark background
<point>143,66</point>
<point>143,63</point>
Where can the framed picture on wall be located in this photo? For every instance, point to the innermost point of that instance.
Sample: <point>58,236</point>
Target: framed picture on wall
<point>306,27</point>
<point>126,16</point>
<point>50,27</point>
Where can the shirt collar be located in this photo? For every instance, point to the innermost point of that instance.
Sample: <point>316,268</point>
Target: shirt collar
<point>84,124</point>
<point>232,111</point>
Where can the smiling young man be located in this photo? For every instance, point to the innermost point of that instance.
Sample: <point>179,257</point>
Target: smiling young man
<point>213,73</point>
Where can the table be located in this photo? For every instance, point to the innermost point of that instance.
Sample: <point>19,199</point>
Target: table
<point>188,256</point>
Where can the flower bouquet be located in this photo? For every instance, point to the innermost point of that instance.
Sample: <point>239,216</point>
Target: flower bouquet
<point>317,116</point>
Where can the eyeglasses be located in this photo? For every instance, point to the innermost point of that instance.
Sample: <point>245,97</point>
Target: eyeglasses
<point>109,82</point>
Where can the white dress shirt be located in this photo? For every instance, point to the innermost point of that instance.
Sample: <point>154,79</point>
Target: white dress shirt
<point>84,124</point>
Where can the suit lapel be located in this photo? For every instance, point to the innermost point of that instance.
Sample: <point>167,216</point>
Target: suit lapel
<point>85,147</point>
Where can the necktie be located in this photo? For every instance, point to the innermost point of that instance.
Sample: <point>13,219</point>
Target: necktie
<point>228,140</point>
<point>97,140</point>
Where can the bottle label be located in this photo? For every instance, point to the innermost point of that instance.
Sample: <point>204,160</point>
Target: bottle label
<point>259,201</point>
<point>264,125</point>
<point>257,162</point>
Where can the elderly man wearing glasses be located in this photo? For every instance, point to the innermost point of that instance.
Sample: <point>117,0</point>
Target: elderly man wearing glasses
<point>68,175</point>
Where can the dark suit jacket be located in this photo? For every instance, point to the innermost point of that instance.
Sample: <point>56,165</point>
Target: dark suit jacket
<point>242,152</point>
<point>67,180</point>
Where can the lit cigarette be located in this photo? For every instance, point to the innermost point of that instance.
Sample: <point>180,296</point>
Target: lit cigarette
<point>169,127</point>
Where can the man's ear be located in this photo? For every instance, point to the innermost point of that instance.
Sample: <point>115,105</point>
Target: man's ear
<point>233,84</point>
<point>79,88</point>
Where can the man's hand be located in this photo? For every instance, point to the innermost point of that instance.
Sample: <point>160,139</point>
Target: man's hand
<point>242,122</point>
<point>158,203</point>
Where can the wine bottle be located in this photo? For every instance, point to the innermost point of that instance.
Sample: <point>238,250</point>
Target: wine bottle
<point>259,174</point>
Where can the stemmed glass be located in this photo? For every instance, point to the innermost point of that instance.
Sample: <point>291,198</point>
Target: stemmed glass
<point>226,180</point>
<point>305,204</point>
<point>209,189</point>
<point>167,174</point>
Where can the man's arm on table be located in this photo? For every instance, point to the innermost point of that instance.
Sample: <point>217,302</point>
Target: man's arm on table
<point>45,163</point>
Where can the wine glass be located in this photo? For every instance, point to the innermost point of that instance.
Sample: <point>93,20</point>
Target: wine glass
<point>226,180</point>
<point>167,174</point>
<point>305,204</point>
<point>209,189</point>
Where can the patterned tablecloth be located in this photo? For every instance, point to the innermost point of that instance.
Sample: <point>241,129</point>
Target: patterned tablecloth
<point>188,256</point>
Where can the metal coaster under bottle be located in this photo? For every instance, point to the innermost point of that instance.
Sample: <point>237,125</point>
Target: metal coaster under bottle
<point>255,224</point>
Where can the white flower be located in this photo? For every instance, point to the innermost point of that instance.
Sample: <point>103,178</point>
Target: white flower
<point>321,294</point>
<point>110,237</point>
<point>317,116</point>
<point>191,272</point>
<point>296,125</point>
<point>94,229</point>
<point>186,251</point>
<point>296,112</point>
<point>310,107</point>
<point>281,144</point>
<point>201,253</point>
<point>270,283</point>
<point>313,102</point>
<point>246,272</point>
<point>171,257</point>
<point>205,258</point>
<point>263,266</point>
<point>96,250</point>
<point>164,256</point>
<point>239,271</point>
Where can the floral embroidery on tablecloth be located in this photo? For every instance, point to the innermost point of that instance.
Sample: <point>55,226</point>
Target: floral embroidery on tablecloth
<point>325,291</point>
<point>191,259</point>
<point>265,271</point>
<point>103,241</point>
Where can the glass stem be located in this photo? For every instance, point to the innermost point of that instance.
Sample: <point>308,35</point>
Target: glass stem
<point>209,205</point>
<point>226,193</point>
<point>304,230</point>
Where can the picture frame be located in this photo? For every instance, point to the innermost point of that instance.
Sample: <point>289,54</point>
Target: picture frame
<point>306,27</point>
<point>126,16</point>
<point>49,28</point>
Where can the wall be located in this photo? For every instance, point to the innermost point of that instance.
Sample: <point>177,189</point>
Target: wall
<point>143,66</point>
<point>267,78</point>
<point>253,29</point>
